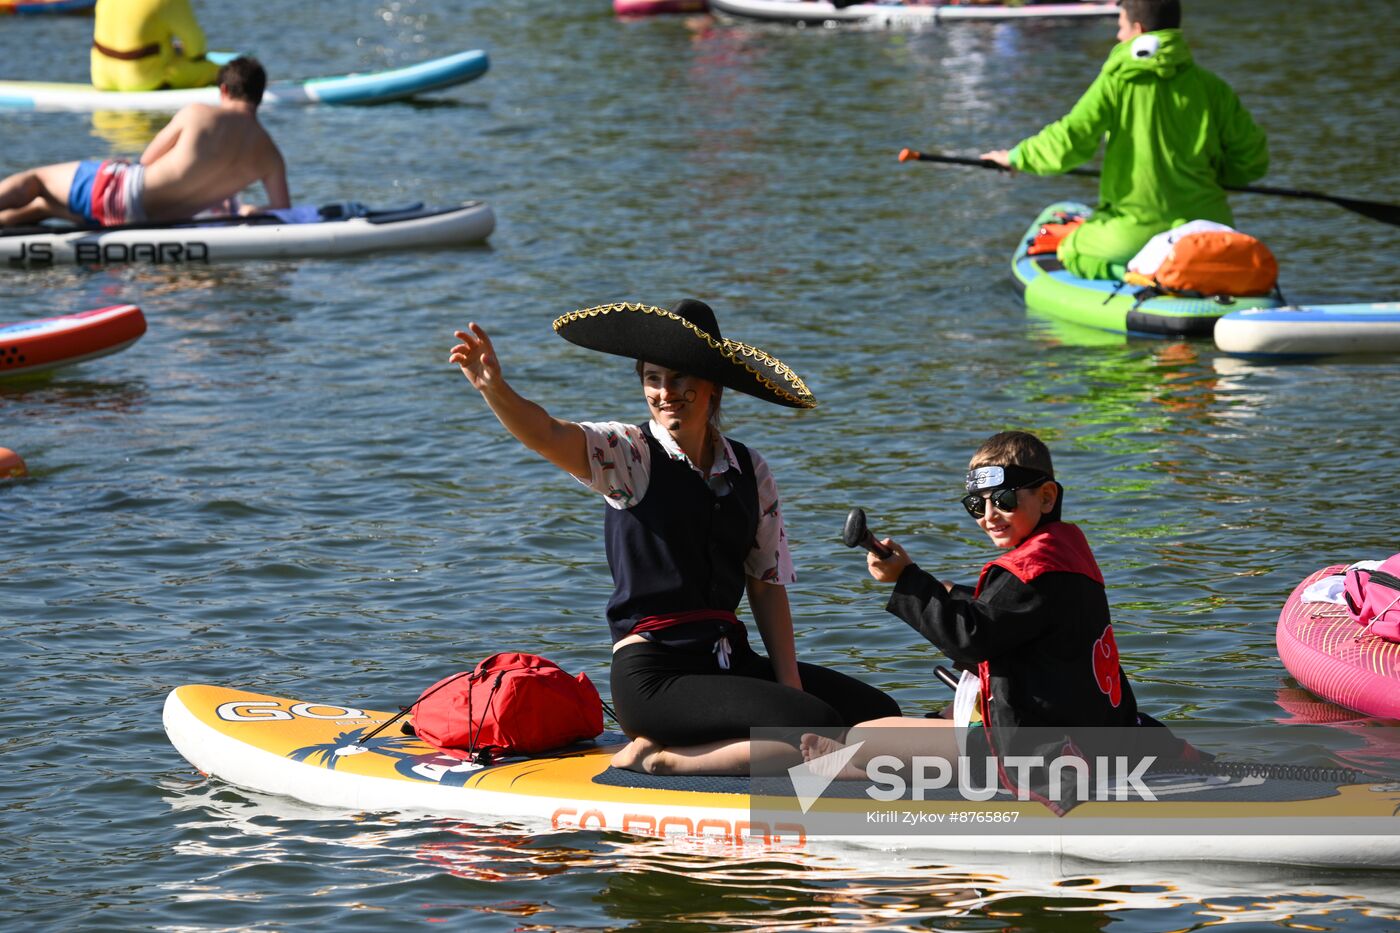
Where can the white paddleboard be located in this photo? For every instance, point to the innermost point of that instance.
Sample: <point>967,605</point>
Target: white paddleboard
<point>234,239</point>
<point>1311,330</point>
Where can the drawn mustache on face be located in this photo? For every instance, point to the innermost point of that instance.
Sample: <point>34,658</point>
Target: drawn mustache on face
<point>687,396</point>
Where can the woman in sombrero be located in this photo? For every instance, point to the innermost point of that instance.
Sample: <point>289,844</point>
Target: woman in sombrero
<point>693,526</point>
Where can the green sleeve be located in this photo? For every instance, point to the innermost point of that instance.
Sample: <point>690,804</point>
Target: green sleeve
<point>1070,141</point>
<point>1245,148</point>
<point>180,18</point>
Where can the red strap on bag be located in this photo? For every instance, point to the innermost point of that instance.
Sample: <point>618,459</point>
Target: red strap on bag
<point>511,703</point>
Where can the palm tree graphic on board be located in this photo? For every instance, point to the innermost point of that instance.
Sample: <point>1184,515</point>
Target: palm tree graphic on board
<point>414,760</point>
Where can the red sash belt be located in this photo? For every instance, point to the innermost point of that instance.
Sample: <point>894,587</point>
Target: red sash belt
<point>658,623</point>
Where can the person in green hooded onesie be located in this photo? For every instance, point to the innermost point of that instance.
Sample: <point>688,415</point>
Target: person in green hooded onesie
<point>1175,135</point>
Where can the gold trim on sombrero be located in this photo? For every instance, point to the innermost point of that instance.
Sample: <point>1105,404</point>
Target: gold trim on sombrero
<point>798,393</point>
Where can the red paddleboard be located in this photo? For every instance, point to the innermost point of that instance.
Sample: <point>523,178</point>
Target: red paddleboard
<point>1318,644</point>
<point>47,343</point>
<point>651,7</point>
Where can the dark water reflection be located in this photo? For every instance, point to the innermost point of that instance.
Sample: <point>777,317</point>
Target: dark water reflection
<point>283,487</point>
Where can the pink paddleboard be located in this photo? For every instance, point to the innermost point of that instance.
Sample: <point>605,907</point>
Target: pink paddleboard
<point>652,7</point>
<point>1317,643</point>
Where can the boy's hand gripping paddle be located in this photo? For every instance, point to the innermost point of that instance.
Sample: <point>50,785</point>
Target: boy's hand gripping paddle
<point>855,534</point>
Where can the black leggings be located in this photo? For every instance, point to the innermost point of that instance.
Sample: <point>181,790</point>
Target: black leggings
<point>679,697</point>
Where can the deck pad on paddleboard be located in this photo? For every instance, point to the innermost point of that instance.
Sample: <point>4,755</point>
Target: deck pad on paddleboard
<point>375,87</point>
<point>322,754</point>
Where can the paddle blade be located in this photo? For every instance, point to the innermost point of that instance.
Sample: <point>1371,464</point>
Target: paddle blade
<point>906,155</point>
<point>1376,210</point>
<point>1385,213</point>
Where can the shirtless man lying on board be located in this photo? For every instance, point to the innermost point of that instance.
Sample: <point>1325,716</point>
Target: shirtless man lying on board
<point>204,156</point>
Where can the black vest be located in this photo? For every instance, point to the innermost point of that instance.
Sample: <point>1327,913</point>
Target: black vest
<point>682,547</point>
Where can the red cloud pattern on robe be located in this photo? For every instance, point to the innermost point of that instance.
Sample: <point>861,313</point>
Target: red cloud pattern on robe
<point>1106,666</point>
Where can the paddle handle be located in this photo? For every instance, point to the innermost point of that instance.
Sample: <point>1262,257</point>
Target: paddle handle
<point>914,155</point>
<point>875,547</point>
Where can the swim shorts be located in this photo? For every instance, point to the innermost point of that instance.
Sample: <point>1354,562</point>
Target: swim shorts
<point>108,192</point>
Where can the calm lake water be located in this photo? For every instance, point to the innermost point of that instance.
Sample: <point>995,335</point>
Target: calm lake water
<point>284,487</point>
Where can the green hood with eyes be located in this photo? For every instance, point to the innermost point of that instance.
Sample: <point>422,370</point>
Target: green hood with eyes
<point>1172,57</point>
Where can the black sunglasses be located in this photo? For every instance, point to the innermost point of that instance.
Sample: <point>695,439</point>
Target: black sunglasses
<point>1004,499</point>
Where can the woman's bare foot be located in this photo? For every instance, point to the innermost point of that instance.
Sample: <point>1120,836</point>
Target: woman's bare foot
<point>642,754</point>
<point>817,751</point>
<point>818,746</point>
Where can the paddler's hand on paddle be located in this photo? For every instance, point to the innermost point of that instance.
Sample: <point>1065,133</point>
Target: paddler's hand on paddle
<point>888,569</point>
<point>1001,157</point>
<point>476,357</point>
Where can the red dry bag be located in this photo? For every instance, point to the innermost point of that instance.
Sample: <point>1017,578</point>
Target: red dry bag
<point>511,704</point>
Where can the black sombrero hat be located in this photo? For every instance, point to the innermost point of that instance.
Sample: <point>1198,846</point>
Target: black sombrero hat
<point>685,338</point>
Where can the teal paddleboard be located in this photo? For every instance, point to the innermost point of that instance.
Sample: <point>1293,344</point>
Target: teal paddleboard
<point>1111,305</point>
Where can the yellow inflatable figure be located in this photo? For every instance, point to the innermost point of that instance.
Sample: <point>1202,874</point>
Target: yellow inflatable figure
<point>134,46</point>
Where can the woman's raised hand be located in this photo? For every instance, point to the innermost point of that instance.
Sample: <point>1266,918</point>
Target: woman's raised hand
<point>562,443</point>
<point>476,357</point>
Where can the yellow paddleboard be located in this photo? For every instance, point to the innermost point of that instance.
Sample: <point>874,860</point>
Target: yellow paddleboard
<point>322,753</point>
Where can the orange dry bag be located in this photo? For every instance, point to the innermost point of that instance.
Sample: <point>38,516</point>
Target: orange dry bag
<point>1218,263</point>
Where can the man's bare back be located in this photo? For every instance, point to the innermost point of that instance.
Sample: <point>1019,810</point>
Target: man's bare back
<point>208,154</point>
<point>204,156</point>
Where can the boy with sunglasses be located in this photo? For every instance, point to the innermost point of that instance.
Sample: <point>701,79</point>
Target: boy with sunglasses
<point>1034,633</point>
<point>1036,627</point>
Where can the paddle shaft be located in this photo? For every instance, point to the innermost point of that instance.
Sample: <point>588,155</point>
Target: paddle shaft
<point>1376,210</point>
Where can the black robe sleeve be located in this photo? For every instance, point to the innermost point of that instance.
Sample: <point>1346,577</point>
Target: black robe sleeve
<point>1007,615</point>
